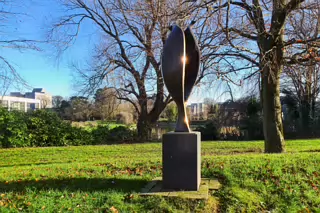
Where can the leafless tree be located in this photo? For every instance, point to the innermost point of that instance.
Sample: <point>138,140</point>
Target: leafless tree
<point>302,84</point>
<point>56,101</point>
<point>8,74</point>
<point>256,40</point>
<point>301,80</point>
<point>128,57</point>
<point>106,103</point>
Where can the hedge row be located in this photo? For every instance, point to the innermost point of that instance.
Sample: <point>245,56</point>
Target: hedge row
<point>45,128</point>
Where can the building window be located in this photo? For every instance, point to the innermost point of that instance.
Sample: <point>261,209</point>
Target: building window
<point>22,106</point>
<point>14,106</point>
<point>4,103</point>
<point>29,108</point>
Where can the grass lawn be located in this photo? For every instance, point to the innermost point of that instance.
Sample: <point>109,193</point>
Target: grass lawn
<point>90,125</point>
<point>107,178</point>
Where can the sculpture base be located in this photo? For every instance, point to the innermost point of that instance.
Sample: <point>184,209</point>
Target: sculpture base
<point>181,160</point>
<point>154,188</point>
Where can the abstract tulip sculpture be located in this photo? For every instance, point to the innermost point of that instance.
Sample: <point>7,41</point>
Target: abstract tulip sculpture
<point>180,67</point>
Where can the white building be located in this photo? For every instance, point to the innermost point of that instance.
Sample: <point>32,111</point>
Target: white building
<point>37,99</point>
<point>197,111</point>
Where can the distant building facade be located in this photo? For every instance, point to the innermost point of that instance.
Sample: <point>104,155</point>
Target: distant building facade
<point>37,99</point>
<point>197,111</point>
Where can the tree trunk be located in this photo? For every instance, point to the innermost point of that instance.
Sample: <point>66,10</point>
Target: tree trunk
<point>147,119</point>
<point>144,128</point>
<point>305,107</point>
<point>305,110</point>
<point>272,114</point>
<point>313,108</point>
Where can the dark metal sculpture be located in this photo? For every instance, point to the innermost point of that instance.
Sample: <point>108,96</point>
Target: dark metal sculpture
<point>180,67</point>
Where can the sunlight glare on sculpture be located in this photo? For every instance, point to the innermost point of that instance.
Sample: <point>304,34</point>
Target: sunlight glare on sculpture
<point>180,67</point>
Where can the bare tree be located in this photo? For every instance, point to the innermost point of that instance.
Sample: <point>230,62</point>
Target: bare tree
<point>8,74</point>
<point>302,85</point>
<point>106,103</point>
<point>128,57</point>
<point>256,40</point>
<point>57,101</point>
<point>45,101</point>
<point>301,80</point>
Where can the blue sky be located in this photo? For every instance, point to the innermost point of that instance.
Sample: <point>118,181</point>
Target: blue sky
<point>43,68</point>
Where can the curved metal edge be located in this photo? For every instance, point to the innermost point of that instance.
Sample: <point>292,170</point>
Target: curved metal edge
<point>172,66</point>
<point>173,72</point>
<point>193,62</point>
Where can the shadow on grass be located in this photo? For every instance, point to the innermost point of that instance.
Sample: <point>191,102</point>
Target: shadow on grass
<point>311,150</point>
<point>75,184</point>
<point>33,164</point>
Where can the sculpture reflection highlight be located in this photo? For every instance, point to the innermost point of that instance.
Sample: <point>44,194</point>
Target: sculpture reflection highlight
<point>180,67</point>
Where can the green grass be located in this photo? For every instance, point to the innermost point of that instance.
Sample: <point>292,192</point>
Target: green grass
<point>107,178</point>
<point>91,125</point>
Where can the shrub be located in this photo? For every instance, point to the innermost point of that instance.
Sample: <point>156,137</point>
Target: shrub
<point>100,134</point>
<point>78,136</point>
<point>120,134</point>
<point>253,127</point>
<point>208,132</point>
<point>45,128</point>
<point>13,129</point>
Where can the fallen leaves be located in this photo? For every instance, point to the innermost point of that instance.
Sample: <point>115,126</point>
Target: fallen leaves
<point>128,197</point>
<point>114,210</point>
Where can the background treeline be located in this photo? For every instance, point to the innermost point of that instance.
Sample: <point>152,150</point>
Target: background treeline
<point>104,106</point>
<point>242,119</point>
<point>112,123</point>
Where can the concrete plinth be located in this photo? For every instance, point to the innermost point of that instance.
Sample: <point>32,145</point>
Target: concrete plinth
<point>154,188</point>
<point>181,159</point>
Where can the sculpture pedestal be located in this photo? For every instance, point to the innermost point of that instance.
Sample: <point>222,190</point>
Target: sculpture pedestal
<point>181,161</point>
